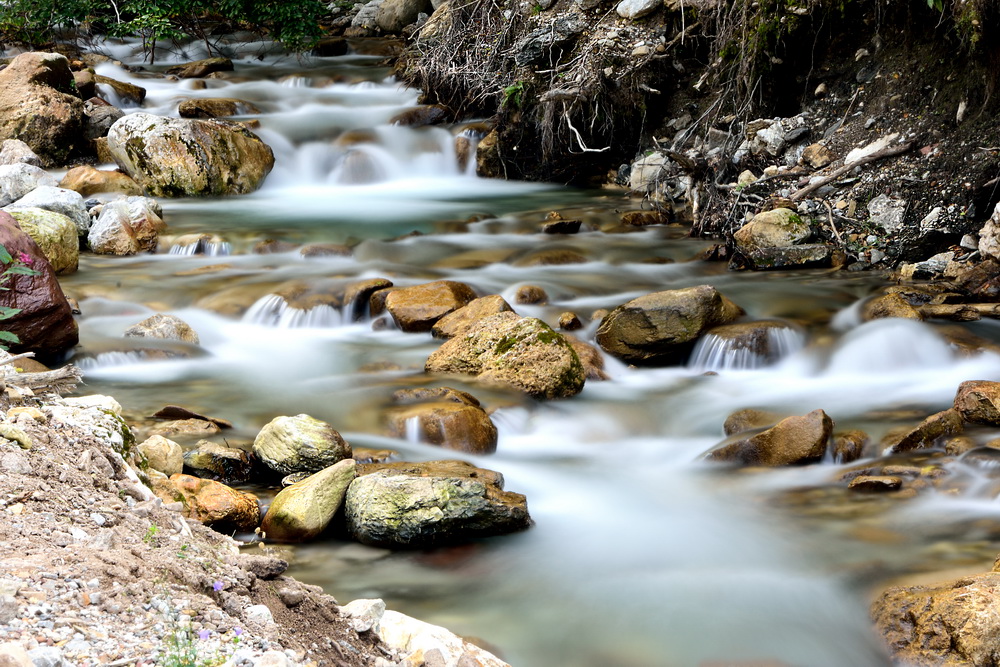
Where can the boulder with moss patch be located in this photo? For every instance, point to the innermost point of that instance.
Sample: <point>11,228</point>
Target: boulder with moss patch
<point>299,444</point>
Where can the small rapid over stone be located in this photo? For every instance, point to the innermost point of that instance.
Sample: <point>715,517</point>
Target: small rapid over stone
<point>641,552</point>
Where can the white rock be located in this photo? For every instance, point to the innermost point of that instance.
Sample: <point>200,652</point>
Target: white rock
<point>647,171</point>
<point>636,9</point>
<point>887,213</point>
<point>17,180</point>
<point>365,613</point>
<point>272,659</point>
<point>410,636</point>
<point>989,235</point>
<point>98,401</point>
<point>46,656</point>
<point>871,149</point>
<point>58,200</point>
<point>15,151</point>
<point>259,614</point>
<point>930,220</point>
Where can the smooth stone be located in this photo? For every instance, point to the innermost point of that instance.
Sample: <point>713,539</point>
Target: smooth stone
<point>302,511</point>
<point>299,444</point>
<point>792,441</point>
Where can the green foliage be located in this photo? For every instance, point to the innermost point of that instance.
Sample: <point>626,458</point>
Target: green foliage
<point>151,533</point>
<point>35,22</point>
<point>936,4</point>
<point>513,96</point>
<point>19,266</point>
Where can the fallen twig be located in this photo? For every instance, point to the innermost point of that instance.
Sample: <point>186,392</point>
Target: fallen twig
<point>837,173</point>
<point>829,213</point>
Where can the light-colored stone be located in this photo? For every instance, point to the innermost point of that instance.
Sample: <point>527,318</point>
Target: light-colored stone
<point>417,640</point>
<point>646,172</point>
<point>989,235</point>
<point>636,9</point>
<point>15,151</point>
<point>777,228</point>
<point>458,321</point>
<point>17,180</point>
<point>210,502</point>
<point>88,181</point>
<point>299,444</point>
<point>419,307</point>
<point>58,200</point>
<point>302,511</point>
<point>163,455</point>
<point>127,226</point>
<point>164,327</point>
<point>887,213</point>
<point>54,233</point>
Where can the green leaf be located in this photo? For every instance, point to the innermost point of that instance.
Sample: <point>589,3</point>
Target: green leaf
<point>6,312</point>
<point>5,257</point>
<point>9,337</point>
<point>21,270</point>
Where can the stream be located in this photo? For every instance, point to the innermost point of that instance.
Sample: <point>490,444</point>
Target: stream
<point>641,553</point>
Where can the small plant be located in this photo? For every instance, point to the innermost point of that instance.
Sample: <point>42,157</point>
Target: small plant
<point>151,532</point>
<point>513,95</point>
<point>19,266</point>
<point>183,551</point>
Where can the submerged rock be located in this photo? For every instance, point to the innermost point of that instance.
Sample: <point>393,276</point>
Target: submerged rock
<point>299,444</point>
<point>520,352</point>
<point>661,327</point>
<point>792,441</point>
<point>303,510</point>
<point>175,157</point>
<point>431,504</point>
<point>461,424</point>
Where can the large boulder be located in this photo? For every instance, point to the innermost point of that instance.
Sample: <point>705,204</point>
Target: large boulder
<point>54,233</point>
<point>978,401</point>
<point>662,327</point>
<point>59,200</point>
<point>177,157</point>
<point>792,441</point>
<point>210,502</point>
<point>126,226</point>
<point>20,178</point>
<point>299,444</point>
<point>303,510</point>
<point>417,308</point>
<point>88,181</point>
<point>458,321</point>
<point>45,323</point>
<point>424,505</point>
<point>444,417</point>
<point>39,106</point>
<point>519,352</point>
<point>952,623</point>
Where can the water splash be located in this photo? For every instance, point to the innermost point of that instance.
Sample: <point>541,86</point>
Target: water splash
<point>273,311</point>
<point>716,353</point>
<point>109,360</point>
<point>412,430</point>
<point>202,247</point>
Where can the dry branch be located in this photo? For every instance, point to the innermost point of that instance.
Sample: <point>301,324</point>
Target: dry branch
<point>837,173</point>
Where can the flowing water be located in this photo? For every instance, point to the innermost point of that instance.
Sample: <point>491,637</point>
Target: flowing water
<point>641,554</point>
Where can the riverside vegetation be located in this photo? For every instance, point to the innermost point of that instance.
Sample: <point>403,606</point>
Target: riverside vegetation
<point>848,149</point>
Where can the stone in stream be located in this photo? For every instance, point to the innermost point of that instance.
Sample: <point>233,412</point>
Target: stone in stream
<point>127,226</point>
<point>358,294</point>
<point>164,327</point>
<point>530,295</point>
<point>926,434</point>
<point>849,446</point>
<point>99,117</point>
<point>519,352</point>
<point>302,511</point>
<point>889,305</point>
<point>210,502</point>
<point>201,68</point>
<point>661,328</point>
<point>15,151</point>
<point>458,321</point>
<point>177,157</point>
<point>39,105</point>
<point>978,401</point>
<point>805,256</point>
<point>422,505</point>
<point>162,454</point>
<point>417,308</point>
<point>749,419</point>
<point>875,483</point>
<point>948,623</point>
<point>446,418</point>
<point>58,200</point>
<point>54,233</point>
<point>590,357</point>
<point>45,323</point>
<point>299,444</point>
<point>745,345</point>
<point>178,412</point>
<point>428,114</point>
<point>17,180</point>
<point>229,465</point>
<point>215,107</point>
<point>792,441</point>
<point>89,181</point>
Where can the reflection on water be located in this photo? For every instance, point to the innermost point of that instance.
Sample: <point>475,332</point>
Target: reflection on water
<point>641,554</point>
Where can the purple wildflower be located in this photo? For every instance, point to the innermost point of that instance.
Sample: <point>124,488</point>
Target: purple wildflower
<point>237,631</point>
<point>217,586</point>
<point>204,634</point>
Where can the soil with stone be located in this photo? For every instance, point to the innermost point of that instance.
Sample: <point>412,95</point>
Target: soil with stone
<point>94,571</point>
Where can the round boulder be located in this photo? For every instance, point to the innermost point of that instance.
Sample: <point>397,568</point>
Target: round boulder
<point>299,444</point>
<point>303,510</point>
<point>777,228</point>
<point>519,352</point>
<point>179,157</point>
<point>661,328</point>
<point>162,454</point>
<point>426,505</point>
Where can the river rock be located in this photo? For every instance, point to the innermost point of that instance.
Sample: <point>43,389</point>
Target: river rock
<point>427,114</point>
<point>805,256</point>
<point>55,234</point>
<point>661,327</point>
<point>978,401</point>
<point>201,68</point>
<point>749,419</point>
<point>591,358</point>
<point>889,305</point>
<point>58,200</point>
<point>178,157</point>
<point>302,511</point>
<point>394,15</point>
<point>423,643</point>
<point>459,425</point>
<point>210,502</point>
<point>215,107</point>
<point>748,344</point>
<point>530,295</point>
<point>358,294</point>
<point>39,105</point>
<point>637,9</point>
<point>15,151</point>
<point>163,454</point>
<point>89,181</point>
<point>875,483</point>
<point>949,623</point>
<point>927,433</point>
<point>458,321</point>
<point>229,465</point>
<point>299,444</point>
<point>126,227</point>
<point>99,118</point>
<point>417,308</point>
<point>187,428</point>
<point>777,228</point>
<point>427,505</point>
<point>792,441</point>
<point>164,327</point>
<point>17,180</point>
<point>45,323</point>
<point>849,446</point>
<point>520,352</point>
<point>122,94</point>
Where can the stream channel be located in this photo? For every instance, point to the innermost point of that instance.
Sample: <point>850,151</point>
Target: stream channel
<point>641,553</point>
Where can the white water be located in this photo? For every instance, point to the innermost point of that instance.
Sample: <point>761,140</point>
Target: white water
<point>641,554</point>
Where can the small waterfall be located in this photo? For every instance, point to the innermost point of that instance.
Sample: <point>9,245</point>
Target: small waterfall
<point>202,247</point>
<point>109,359</point>
<point>296,82</point>
<point>272,310</point>
<point>755,349</point>
<point>412,432</point>
<point>466,145</point>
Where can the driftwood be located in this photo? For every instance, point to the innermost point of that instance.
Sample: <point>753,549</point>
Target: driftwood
<point>837,173</point>
<point>960,312</point>
<point>60,381</point>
